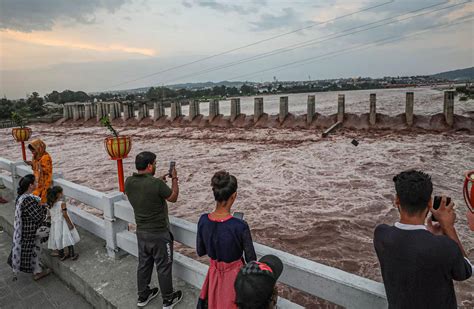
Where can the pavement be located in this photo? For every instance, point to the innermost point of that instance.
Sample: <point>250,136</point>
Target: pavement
<point>102,282</point>
<point>49,292</point>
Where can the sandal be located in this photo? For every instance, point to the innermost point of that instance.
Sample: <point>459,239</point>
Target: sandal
<point>74,257</point>
<point>54,253</point>
<point>65,257</point>
<point>42,274</point>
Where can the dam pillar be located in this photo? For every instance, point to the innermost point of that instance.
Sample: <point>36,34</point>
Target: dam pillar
<point>213,109</point>
<point>66,114</point>
<point>449,107</point>
<point>194,109</point>
<point>140,114</point>
<point>175,110</point>
<point>100,111</point>
<point>143,111</point>
<point>283,109</point>
<point>87,111</point>
<point>131,110</point>
<point>146,111</point>
<point>70,109</point>
<point>373,115</point>
<point>341,102</point>
<point>234,108</point>
<point>158,110</point>
<point>409,108</point>
<point>118,110</point>
<point>257,109</point>
<point>311,109</point>
<point>110,110</point>
<point>75,112</point>
<point>93,110</point>
<point>126,111</point>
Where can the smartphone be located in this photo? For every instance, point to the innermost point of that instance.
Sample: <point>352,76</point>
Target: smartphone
<point>437,203</point>
<point>239,215</point>
<point>172,165</point>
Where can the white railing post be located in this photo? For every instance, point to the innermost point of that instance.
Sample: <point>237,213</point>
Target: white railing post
<point>113,225</point>
<point>15,176</point>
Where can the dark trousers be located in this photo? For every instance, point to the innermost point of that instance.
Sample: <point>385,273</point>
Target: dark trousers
<point>155,248</point>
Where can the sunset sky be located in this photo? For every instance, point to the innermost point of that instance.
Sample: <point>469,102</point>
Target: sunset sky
<point>98,45</point>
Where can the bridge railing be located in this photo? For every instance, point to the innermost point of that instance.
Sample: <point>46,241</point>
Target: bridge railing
<point>329,283</point>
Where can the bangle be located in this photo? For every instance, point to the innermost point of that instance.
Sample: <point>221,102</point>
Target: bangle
<point>173,178</point>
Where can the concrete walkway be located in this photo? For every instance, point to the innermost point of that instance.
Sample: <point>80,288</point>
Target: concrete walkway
<point>49,292</point>
<point>102,281</point>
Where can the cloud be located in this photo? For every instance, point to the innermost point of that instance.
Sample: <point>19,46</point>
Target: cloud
<point>224,7</point>
<point>43,40</point>
<point>30,15</point>
<point>187,4</point>
<point>419,21</point>
<point>268,22</point>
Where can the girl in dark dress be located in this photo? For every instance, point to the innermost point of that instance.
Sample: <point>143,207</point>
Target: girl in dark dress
<point>227,242</point>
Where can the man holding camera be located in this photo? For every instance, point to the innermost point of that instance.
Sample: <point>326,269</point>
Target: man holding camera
<point>418,262</point>
<point>148,196</point>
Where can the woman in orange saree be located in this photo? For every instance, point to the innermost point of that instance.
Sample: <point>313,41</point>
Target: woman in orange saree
<point>42,166</point>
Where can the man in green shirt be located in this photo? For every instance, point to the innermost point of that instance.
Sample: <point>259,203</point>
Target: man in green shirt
<point>148,196</point>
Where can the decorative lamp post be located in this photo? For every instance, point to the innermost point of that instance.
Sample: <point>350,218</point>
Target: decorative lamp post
<point>468,189</point>
<point>21,134</point>
<point>118,148</point>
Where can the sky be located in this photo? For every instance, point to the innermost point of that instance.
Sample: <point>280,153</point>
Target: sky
<point>100,45</point>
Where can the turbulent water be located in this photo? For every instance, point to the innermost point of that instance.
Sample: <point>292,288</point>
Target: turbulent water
<point>316,198</point>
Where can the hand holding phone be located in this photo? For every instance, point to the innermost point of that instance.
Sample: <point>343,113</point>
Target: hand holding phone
<point>445,214</point>
<point>437,204</point>
<point>172,170</point>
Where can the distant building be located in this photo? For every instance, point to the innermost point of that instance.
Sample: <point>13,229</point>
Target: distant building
<point>52,105</point>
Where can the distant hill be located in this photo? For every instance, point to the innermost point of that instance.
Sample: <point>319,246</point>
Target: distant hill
<point>458,75</point>
<point>206,85</point>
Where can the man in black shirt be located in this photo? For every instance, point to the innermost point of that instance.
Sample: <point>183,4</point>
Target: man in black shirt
<point>419,263</point>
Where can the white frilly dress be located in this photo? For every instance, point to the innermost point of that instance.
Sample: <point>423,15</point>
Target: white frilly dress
<point>60,236</point>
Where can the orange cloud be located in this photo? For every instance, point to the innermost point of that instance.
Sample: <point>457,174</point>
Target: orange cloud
<point>39,39</point>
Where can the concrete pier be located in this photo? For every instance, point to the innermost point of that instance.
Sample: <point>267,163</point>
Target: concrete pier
<point>213,109</point>
<point>449,107</point>
<point>110,110</point>
<point>176,110</point>
<point>373,115</point>
<point>194,109</point>
<point>143,111</point>
<point>117,110</point>
<point>75,112</point>
<point>311,109</point>
<point>341,103</point>
<point>87,111</point>
<point>258,109</point>
<point>101,112</point>
<point>234,108</point>
<point>66,112</point>
<point>410,100</point>
<point>128,111</point>
<point>158,110</point>
<point>283,109</point>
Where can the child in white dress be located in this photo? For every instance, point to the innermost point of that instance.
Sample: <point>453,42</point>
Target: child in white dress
<point>63,232</point>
